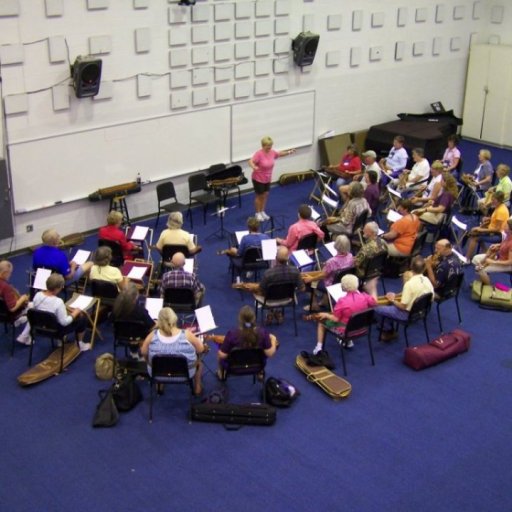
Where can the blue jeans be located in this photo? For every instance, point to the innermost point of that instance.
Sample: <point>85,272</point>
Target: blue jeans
<point>391,313</point>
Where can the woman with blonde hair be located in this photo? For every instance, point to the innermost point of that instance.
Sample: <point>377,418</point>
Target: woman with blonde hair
<point>262,165</point>
<point>169,339</point>
<point>113,233</point>
<point>175,235</point>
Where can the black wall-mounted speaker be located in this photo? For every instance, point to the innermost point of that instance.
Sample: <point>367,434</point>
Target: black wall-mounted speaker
<point>304,48</point>
<point>86,73</point>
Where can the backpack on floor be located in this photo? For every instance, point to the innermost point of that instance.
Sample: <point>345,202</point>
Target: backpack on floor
<point>280,392</point>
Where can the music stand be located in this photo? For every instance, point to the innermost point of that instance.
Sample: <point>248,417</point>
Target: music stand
<point>221,232</point>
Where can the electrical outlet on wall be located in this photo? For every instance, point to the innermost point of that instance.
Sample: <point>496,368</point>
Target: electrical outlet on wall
<point>29,228</point>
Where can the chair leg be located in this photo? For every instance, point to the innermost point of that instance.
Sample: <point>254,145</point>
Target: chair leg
<point>344,364</point>
<point>295,319</point>
<point>61,355</point>
<point>151,390</point>
<point>426,328</point>
<point>406,337</point>
<point>439,318</point>
<point>370,345</point>
<point>458,309</point>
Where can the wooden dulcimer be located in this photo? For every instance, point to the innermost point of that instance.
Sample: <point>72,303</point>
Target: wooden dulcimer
<point>247,287</point>
<point>218,339</point>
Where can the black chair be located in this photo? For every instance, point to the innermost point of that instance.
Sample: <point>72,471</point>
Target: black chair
<point>169,369</point>
<point>105,291</point>
<point>168,251</point>
<point>250,261</point>
<point>247,361</point>
<point>449,291</point>
<point>308,243</point>
<point>278,296</point>
<point>359,324</point>
<point>374,269</point>
<point>419,311</point>
<point>117,251</point>
<point>357,228</point>
<point>167,200</point>
<point>198,193</point>
<point>46,325</point>
<point>7,318</point>
<point>395,265</point>
<point>181,300</point>
<point>128,334</point>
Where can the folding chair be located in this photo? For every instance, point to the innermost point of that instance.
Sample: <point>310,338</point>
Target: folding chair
<point>321,178</point>
<point>459,232</point>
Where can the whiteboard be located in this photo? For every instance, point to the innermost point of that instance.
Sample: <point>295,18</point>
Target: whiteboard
<point>289,120</point>
<point>71,166</point>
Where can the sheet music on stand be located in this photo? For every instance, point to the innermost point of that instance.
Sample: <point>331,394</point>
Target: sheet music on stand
<point>42,274</point>
<point>189,265</point>
<point>81,256</point>
<point>269,249</point>
<point>336,292</point>
<point>137,273</point>
<point>139,233</point>
<point>82,302</point>
<point>314,214</point>
<point>393,216</point>
<point>205,320</point>
<point>153,306</point>
<point>301,258</point>
<point>240,234</point>
<point>330,247</point>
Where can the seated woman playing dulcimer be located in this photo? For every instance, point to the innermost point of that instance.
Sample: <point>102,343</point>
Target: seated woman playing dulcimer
<point>245,335</point>
<point>353,302</point>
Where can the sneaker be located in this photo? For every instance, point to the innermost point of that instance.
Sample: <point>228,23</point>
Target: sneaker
<point>24,340</point>
<point>259,216</point>
<point>264,216</point>
<point>348,344</point>
<point>84,347</point>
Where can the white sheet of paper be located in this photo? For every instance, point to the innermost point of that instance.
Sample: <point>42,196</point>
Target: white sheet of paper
<point>393,216</point>
<point>81,256</point>
<point>380,232</point>
<point>153,306</point>
<point>336,292</point>
<point>240,235</point>
<point>269,249</point>
<point>314,214</point>
<point>391,190</point>
<point>42,275</point>
<point>460,256</point>
<point>81,302</point>
<point>459,224</point>
<point>205,319</point>
<point>302,258</point>
<point>329,201</point>
<point>137,273</point>
<point>139,233</point>
<point>331,249</point>
<point>189,265</point>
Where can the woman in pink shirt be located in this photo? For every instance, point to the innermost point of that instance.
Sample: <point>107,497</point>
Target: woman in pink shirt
<point>354,301</point>
<point>262,165</point>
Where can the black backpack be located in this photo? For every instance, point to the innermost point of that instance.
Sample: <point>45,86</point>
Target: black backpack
<point>279,392</point>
